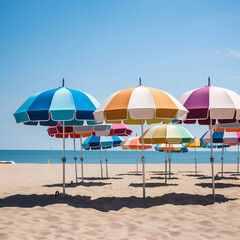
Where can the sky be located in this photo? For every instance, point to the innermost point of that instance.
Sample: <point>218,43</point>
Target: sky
<point>101,47</point>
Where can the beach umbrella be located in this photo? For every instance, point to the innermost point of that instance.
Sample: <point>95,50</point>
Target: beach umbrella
<point>235,128</point>
<point>84,131</point>
<point>138,105</point>
<point>59,104</point>
<point>99,143</point>
<point>208,105</point>
<point>171,148</point>
<point>167,133</point>
<point>223,137</point>
<point>174,148</point>
<point>133,143</point>
<point>196,144</point>
<point>114,130</point>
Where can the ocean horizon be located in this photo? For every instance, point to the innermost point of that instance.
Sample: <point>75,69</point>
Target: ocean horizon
<point>114,157</point>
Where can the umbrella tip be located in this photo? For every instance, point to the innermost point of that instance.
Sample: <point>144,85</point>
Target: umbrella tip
<point>209,83</point>
<point>140,82</point>
<point>63,82</point>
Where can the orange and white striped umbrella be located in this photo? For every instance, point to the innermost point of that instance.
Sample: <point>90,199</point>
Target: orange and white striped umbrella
<point>133,143</point>
<point>135,105</point>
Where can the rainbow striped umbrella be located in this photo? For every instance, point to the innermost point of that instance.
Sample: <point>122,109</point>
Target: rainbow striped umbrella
<point>137,105</point>
<point>95,143</point>
<point>133,143</point>
<point>171,148</point>
<point>208,105</point>
<point>167,133</point>
<point>70,106</point>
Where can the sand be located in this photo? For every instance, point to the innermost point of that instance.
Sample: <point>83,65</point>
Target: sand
<point>113,208</point>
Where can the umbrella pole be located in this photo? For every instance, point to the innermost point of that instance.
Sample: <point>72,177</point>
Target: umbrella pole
<point>101,161</point>
<point>212,160</point>
<point>81,156</point>
<point>238,160</point>
<point>143,160</point>
<point>169,162</point>
<point>166,165</point>
<point>195,161</point>
<point>106,163</point>
<point>137,160</point>
<point>222,159</point>
<point>75,157</point>
<point>63,158</point>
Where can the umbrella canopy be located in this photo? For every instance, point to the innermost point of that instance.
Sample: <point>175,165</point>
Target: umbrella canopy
<point>133,143</point>
<point>95,142</point>
<point>221,137</point>
<point>114,130</point>
<point>135,105</point>
<point>59,104</point>
<point>195,144</point>
<point>211,102</point>
<point>167,133</point>
<point>170,147</point>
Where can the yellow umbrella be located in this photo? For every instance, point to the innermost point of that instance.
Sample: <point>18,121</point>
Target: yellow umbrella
<point>196,144</point>
<point>137,105</point>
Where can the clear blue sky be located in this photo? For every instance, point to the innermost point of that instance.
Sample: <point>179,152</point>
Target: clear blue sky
<point>104,46</point>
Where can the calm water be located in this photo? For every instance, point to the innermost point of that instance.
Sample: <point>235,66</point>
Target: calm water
<point>114,157</point>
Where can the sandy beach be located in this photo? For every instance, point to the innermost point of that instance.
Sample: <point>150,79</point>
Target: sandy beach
<point>113,208</point>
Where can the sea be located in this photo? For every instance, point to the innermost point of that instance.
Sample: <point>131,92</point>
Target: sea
<point>114,157</point>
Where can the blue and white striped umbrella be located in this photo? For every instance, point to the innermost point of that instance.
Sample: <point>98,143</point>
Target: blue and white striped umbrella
<point>95,143</point>
<point>70,106</point>
<point>59,104</point>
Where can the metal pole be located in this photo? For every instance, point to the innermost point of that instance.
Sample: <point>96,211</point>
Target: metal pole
<point>101,161</point>
<point>63,158</point>
<point>143,160</point>
<point>212,159</point>
<point>166,164</point>
<point>222,159</point>
<point>137,160</point>
<point>238,160</point>
<point>169,160</point>
<point>106,163</point>
<point>195,161</point>
<point>81,159</point>
<point>75,157</point>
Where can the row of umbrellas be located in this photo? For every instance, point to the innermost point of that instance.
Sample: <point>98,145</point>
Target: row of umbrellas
<point>137,105</point>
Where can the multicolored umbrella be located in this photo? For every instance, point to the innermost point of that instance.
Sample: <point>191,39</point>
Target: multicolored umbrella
<point>208,105</point>
<point>133,143</point>
<point>223,137</point>
<point>95,143</point>
<point>175,148</point>
<point>137,105</point>
<point>167,133</point>
<point>59,104</point>
<point>171,148</point>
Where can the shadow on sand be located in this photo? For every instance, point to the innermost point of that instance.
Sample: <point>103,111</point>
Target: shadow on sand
<point>129,174</point>
<point>163,178</point>
<point>99,178</point>
<point>106,204</point>
<point>151,185</point>
<point>217,178</point>
<point>72,185</point>
<point>217,185</point>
